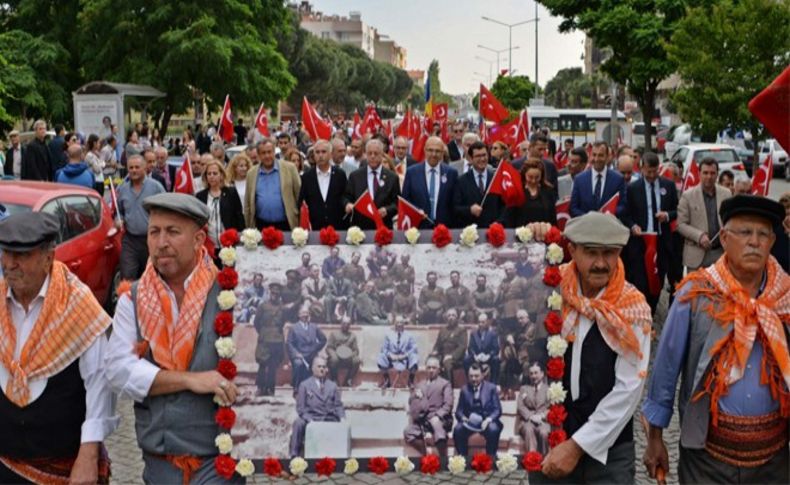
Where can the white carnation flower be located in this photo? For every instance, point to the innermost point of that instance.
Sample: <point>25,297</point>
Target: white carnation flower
<point>554,254</point>
<point>355,236</point>
<point>556,346</point>
<point>297,466</point>
<point>225,346</point>
<point>299,237</point>
<point>412,235</point>
<point>507,463</point>
<point>245,467</point>
<point>403,465</point>
<point>556,393</point>
<point>228,256</point>
<point>555,301</point>
<point>226,299</point>
<point>250,238</point>
<point>469,235</point>
<point>224,443</point>
<point>351,466</point>
<point>456,464</point>
<point>524,234</point>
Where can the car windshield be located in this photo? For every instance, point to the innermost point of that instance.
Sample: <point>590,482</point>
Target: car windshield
<point>721,156</point>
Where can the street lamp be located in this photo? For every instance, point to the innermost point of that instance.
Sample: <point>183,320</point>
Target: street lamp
<point>510,39</point>
<point>498,52</point>
<point>490,66</point>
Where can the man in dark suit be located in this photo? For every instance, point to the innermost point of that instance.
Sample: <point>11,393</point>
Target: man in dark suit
<point>652,203</point>
<point>478,411</point>
<point>382,184</point>
<point>593,188</point>
<point>317,400</point>
<point>37,163</point>
<point>322,189</point>
<point>401,151</point>
<point>471,187</point>
<point>456,146</point>
<point>304,342</point>
<point>430,185</point>
<point>483,348</point>
<point>537,148</point>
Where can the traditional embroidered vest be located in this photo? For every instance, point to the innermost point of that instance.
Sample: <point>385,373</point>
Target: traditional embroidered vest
<point>182,423</point>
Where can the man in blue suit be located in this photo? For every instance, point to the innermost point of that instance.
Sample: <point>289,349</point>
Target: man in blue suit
<point>593,188</point>
<point>304,342</point>
<point>478,411</point>
<point>430,185</point>
<point>399,352</point>
<point>483,349</point>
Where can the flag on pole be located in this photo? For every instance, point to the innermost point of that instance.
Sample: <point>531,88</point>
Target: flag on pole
<point>116,214</point>
<point>490,107</point>
<point>610,207</point>
<point>185,183</point>
<point>408,215</point>
<point>428,98</point>
<point>772,107</point>
<point>388,131</point>
<point>563,210</point>
<point>762,177</point>
<point>691,179</point>
<point>262,122</point>
<point>304,217</point>
<point>371,121</point>
<point>418,147</point>
<point>403,128</point>
<point>226,122</point>
<point>356,134</point>
<point>365,206</point>
<point>507,184</point>
<point>651,262</point>
<point>316,127</point>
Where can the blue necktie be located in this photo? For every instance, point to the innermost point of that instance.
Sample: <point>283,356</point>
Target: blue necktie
<point>432,193</point>
<point>598,190</point>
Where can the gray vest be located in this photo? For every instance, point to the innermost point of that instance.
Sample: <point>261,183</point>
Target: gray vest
<point>182,423</point>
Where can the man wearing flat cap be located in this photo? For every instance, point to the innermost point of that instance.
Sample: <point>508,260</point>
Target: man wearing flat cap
<point>607,326</point>
<point>162,351</point>
<point>727,334</point>
<point>56,407</point>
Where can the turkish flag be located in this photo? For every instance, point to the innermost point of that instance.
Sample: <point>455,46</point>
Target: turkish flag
<point>667,172</point>
<point>403,127</point>
<point>262,122</point>
<point>316,127</point>
<point>772,107</point>
<point>365,206</point>
<point>304,217</point>
<point>389,133</point>
<point>371,122</point>
<point>507,184</point>
<point>507,133</point>
<point>184,183</point>
<point>356,134</point>
<point>762,177</point>
<point>418,147</point>
<point>563,210</point>
<point>114,201</point>
<point>610,207</point>
<point>522,134</point>
<point>226,122</point>
<point>651,263</point>
<point>691,179</point>
<point>440,112</point>
<point>490,107</point>
<point>408,215</point>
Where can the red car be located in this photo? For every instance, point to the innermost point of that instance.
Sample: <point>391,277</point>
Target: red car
<point>89,243</point>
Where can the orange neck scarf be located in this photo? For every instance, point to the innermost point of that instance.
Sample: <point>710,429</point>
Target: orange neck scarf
<point>763,317</point>
<point>172,342</point>
<point>70,321</point>
<point>616,311</point>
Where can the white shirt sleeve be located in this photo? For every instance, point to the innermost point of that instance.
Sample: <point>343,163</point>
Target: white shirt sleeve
<point>128,374</point>
<point>617,408</point>
<point>100,418</point>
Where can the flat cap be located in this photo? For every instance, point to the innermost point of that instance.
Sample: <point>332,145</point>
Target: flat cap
<point>597,229</point>
<point>752,205</point>
<point>13,133</point>
<point>25,231</point>
<point>184,204</point>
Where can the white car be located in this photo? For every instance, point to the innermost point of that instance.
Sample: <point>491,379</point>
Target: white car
<point>725,155</point>
<point>778,155</point>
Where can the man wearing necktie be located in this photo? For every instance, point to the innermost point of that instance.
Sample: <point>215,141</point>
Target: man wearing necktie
<point>430,185</point>
<point>304,342</point>
<point>484,349</point>
<point>383,185</point>
<point>468,204</point>
<point>478,411</point>
<point>430,410</point>
<point>596,185</point>
<point>399,352</point>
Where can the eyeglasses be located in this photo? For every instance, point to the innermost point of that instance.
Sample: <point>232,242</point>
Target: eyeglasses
<point>763,235</point>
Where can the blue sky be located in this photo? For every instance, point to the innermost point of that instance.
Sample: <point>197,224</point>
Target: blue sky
<point>450,30</point>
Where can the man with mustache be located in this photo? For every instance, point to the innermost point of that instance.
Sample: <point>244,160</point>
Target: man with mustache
<point>727,333</point>
<point>607,327</point>
<point>162,352</point>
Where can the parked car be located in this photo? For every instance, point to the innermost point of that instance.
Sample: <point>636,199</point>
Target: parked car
<point>678,137</point>
<point>725,155</point>
<point>88,243</point>
<point>778,156</point>
<point>638,134</point>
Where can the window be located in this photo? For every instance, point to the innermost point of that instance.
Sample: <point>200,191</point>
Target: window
<point>77,214</point>
<point>680,156</point>
<point>721,156</point>
<point>325,35</point>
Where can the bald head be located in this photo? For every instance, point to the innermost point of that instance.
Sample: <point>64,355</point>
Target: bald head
<point>74,153</point>
<point>625,165</point>
<point>434,151</point>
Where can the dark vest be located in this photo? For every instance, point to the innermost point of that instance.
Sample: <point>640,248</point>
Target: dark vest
<point>596,380</point>
<point>51,425</point>
<point>182,423</point>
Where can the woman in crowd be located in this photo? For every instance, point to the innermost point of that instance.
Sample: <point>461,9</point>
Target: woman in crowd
<point>156,138</point>
<point>188,143</point>
<point>499,152</point>
<point>236,174</point>
<point>133,146</point>
<point>95,162</point>
<point>223,202</point>
<point>295,156</point>
<point>539,206</point>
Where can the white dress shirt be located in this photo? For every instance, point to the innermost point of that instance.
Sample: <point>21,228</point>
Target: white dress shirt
<point>655,187</point>
<point>437,184</point>
<point>485,177</point>
<point>323,181</point>
<point>595,180</point>
<point>241,189</point>
<point>617,408</point>
<point>16,165</point>
<point>100,419</point>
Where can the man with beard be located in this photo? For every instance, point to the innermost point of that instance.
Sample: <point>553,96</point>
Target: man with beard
<point>483,297</point>
<point>430,411</point>
<point>432,300</point>
<point>342,351</point>
<point>450,345</point>
<point>457,296</point>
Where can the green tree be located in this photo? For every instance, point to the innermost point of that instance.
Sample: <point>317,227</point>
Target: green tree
<point>181,47</point>
<point>565,89</point>
<point>436,86</point>
<point>636,31</point>
<point>739,47</point>
<point>513,91</point>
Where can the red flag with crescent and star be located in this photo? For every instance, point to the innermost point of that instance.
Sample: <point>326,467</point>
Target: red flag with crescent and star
<point>691,179</point>
<point>184,182</point>
<point>262,122</point>
<point>316,127</point>
<point>762,177</point>
<point>355,133</point>
<point>563,210</point>
<point>408,215</point>
<point>226,122</point>
<point>610,207</point>
<point>365,206</point>
<point>651,263</point>
<point>371,121</point>
<point>507,184</point>
<point>490,107</point>
<point>507,133</point>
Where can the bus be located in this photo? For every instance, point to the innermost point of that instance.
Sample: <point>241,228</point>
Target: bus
<point>581,125</point>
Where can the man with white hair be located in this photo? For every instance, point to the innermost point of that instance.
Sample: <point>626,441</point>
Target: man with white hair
<point>339,158</point>
<point>465,163</point>
<point>742,186</point>
<point>382,184</point>
<point>401,151</point>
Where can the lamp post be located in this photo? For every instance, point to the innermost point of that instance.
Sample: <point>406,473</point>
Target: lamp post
<point>490,66</point>
<point>497,52</point>
<point>510,39</point>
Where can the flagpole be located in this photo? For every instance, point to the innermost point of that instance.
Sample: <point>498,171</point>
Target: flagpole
<point>498,168</point>
<point>417,209</point>
<point>191,175</point>
<point>115,201</point>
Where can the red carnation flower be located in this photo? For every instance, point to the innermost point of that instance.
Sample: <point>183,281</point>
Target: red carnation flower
<point>383,236</point>
<point>556,415</point>
<point>378,465</point>
<point>272,467</point>
<point>553,323</point>
<point>229,238</point>
<point>228,278</point>
<point>225,417</point>
<point>552,276</point>
<point>555,367</point>
<point>556,437</point>
<point>532,461</point>
<point>553,236</point>
<point>223,324</point>
<point>225,466</point>
<point>227,369</point>
<point>328,236</point>
<point>496,234</point>
<point>441,236</point>
<point>272,237</point>
<point>325,466</point>
<point>429,464</point>
<point>482,463</point>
